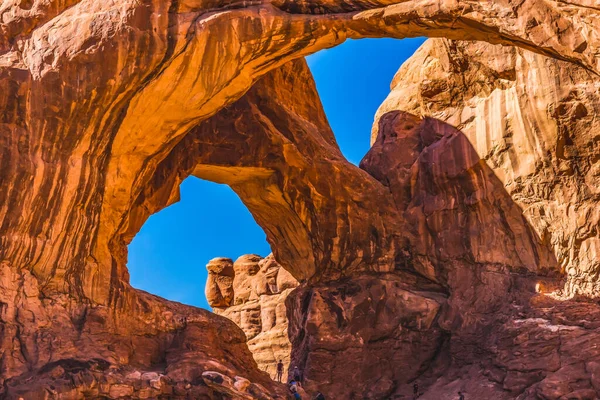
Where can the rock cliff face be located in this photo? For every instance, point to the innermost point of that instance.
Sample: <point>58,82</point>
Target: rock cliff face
<point>491,153</point>
<point>144,347</point>
<point>256,303</point>
<point>424,263</point>
<point>119,65</point>
<point>533,121</point>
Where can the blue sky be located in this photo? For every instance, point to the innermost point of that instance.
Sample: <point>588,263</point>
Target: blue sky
<point>169,254</point>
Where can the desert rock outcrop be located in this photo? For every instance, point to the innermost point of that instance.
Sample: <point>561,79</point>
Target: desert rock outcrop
<point>490,152</point>
<point>119,65</point>
<point>533,120</point>
<point>219,284</point>
<point>145,347</point>
<point>106,106</point>
<point>259,287</point>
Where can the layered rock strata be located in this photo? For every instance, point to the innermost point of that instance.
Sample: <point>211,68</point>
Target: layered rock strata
<point>107,106</point>
<point>118,67</point>
<point>533,121</point>
<point>256,304</point>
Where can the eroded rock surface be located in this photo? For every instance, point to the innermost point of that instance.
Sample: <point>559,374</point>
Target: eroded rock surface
<point>259,288</point>
<point>106,106</point>
<point>365,337</point>
<point>533,120</point>
<point>94,86</point>
<point>143,347</point>
<point>472,148</point>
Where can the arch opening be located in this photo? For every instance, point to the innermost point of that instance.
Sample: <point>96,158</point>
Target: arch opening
<point>104,172</point>
<point>353,79</point>
<point>169,254</point>
<point>260,186</point>
<point>272,174</point>
<point>207,251</point>
<point>181,229</point>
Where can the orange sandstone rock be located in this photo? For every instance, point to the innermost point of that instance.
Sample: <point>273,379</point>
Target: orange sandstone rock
<point>260,287</point>
<point>106,106</point>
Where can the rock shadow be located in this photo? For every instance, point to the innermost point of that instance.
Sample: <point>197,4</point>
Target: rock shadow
<point>470,268</point>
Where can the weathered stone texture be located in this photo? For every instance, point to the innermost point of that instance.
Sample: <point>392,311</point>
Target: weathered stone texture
<point>533,120</point>
<point>92,94</point>
<point>480,187</point>
<point>144,347</point>
<point>471,148</point>
<point>259,287</point>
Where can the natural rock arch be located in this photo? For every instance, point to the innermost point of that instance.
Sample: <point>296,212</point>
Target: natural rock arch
<point>145,58</point>
<point>109,105</point>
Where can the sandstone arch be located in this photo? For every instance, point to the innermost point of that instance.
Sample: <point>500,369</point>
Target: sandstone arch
<point>108,105</point>
<point>142,53</point>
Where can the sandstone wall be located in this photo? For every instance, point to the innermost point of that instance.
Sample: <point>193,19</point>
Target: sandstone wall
<point>256,303</point>
<point>144,347</point>
<point>491,152</point>
<point>533,120</point>
<point>92,88</point>
<point>106,106</point>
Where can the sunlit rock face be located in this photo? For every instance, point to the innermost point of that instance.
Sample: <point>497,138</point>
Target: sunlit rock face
<point>533,120</point>
<point>106,106</point>
<point>470,144</point>
<point>219,284</point>
<point>95,87</point>
<point>259,287</point>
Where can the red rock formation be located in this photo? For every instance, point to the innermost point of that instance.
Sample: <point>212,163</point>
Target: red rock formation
<point>463,191</point>
<point>259,288</point>
<point>119,65</point>
<point>108,105</point>
<point>219,285</point>
<point>361,338</point>
<point>144,347</point>
<point>470,263</point>
<point>533,120</point>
